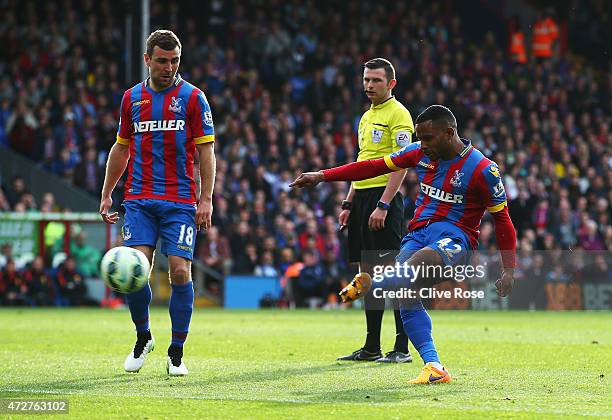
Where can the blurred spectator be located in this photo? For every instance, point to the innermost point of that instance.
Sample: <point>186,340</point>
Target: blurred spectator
<point>39,283</point>
<point>246,261</point>
<point>599,271</point>
<point>529,291</point>
<point>15,190</point>
<point>12,285</point>
<point>71,285</point>
<point>215,252</point>
<point>309,287</point>
<point>518,53</point>
<point>87,173</point>
<point>86,257</point>
<point>589,239</point>
<point>557,275</point>
<point>545,33</point>
<point>21,129</point>
<point>6,254</point>
<point>266,267</point>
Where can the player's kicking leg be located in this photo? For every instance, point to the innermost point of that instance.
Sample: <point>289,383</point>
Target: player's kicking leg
<point>417,322</point>
<point>418,326</point>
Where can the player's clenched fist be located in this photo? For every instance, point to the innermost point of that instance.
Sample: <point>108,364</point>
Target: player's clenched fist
<point>357,288</point>
<point>308,179</point>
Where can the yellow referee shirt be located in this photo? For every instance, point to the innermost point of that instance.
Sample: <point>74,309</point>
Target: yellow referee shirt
<point>383,129</point>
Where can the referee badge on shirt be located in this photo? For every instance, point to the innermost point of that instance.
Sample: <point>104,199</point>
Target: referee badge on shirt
<point>377,135</point>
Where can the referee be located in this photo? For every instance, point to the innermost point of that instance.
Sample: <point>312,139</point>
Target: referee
<point>373,209</point>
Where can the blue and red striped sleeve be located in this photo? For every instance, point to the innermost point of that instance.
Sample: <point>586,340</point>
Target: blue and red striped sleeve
<point>491,188</point>
<point>406,157</point>
<point>126,129</point>
<point>493,197</point>
<point>200,118</point>
<point>365,169</point>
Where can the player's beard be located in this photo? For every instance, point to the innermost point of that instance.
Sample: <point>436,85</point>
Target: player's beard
<point>160,81</point>
<point>164,82</point>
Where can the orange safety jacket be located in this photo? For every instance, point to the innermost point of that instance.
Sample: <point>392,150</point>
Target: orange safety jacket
<point>517,48</point>
<point>545,32</point>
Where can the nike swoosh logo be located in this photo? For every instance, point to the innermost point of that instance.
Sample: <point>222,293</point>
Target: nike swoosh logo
<point>384,254</point>
<point>435,378</point>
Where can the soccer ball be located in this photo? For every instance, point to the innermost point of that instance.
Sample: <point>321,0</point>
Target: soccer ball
<point>125,269</point>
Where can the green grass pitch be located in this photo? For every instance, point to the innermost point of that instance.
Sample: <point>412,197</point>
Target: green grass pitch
<point>271,364</point>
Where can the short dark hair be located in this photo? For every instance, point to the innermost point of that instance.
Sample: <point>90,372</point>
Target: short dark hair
<point>438,114</point>
<point>164,39</point>
<point>381,63</point>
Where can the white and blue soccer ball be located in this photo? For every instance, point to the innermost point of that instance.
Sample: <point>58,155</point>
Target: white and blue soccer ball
<point>125,269</point>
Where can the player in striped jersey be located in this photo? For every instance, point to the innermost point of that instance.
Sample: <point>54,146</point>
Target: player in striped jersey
<point>458,184</point>
<point>163,120</point>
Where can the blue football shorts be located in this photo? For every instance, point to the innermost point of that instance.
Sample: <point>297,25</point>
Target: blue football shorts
<point>148,220</point>
<point>448,240</point>
<point>445,238</point>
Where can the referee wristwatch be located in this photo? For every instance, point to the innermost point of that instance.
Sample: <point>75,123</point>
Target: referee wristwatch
<point>382,205</point>
<point>346,205</point>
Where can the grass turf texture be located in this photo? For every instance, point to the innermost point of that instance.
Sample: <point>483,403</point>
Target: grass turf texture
<point>282,364</point>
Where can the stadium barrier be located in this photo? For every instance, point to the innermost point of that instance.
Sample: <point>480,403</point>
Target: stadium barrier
<point>35,233</point>
<point>248,292</point>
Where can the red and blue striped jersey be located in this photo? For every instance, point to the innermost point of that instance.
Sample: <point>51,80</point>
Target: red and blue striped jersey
<point>456,191</point>
<point>162,130</point>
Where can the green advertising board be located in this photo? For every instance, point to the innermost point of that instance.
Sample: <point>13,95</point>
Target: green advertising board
<point>21,234</point>
<point>21,229</point>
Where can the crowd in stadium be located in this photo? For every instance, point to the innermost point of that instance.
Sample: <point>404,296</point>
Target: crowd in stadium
<point>284,83</point>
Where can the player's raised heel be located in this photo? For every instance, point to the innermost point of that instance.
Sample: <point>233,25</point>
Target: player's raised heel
<point>175,365</point>
<point>145,343</point>
<point>431,375</point>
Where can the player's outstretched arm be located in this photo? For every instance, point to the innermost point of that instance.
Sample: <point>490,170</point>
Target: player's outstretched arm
<point>308,179</point>
<point>355,171</point>
<point>115,166</point>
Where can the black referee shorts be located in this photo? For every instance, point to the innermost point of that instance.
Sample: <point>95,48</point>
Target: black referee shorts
<point>360,237</point>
